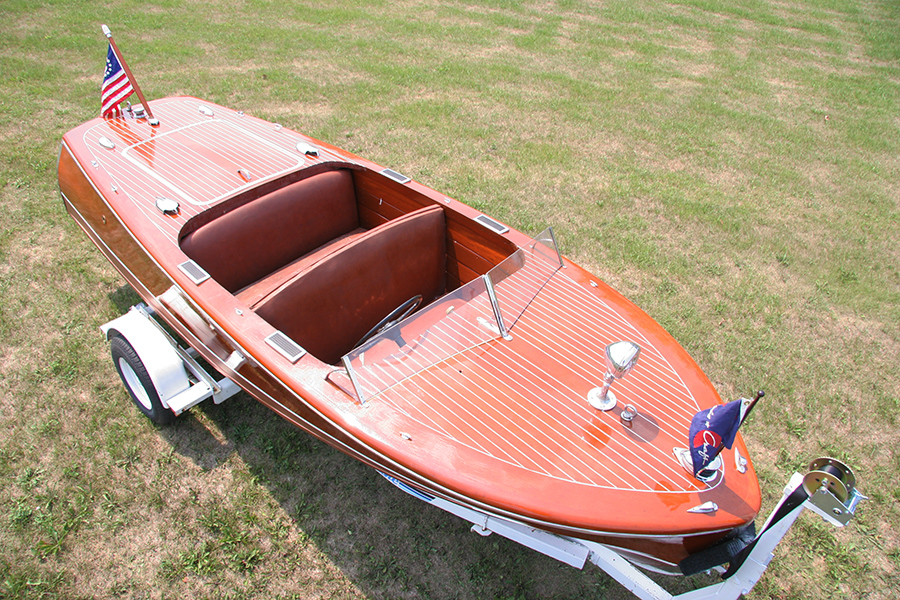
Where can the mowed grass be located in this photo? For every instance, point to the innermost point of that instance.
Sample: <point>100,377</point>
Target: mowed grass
<point>732,167</point>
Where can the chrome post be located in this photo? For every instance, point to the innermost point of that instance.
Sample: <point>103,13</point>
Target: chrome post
<point>620,359</point>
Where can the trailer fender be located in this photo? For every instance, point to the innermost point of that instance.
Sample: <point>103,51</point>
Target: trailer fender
<point>162,362</point>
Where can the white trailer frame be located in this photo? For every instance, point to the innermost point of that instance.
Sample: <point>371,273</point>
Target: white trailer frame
<point>178,378</point>
<point>576,552</point>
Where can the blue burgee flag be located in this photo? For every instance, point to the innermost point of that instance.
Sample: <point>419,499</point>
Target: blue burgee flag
<point>714,429</point>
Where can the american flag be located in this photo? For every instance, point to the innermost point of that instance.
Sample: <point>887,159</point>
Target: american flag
<point>116,85</point>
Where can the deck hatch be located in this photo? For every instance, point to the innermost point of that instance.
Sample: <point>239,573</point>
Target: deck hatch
<point>199,162</point>
<point>194,271</point>
<point>285,346</point>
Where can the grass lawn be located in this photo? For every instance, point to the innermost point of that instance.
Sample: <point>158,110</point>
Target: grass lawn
<point>731,167</point>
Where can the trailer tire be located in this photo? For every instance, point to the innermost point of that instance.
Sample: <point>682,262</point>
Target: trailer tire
<point>137,381</point>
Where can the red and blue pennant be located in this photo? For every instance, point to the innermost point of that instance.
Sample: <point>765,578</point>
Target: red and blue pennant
<point>711,430</point>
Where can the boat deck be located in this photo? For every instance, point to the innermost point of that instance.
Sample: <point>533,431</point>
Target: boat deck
<point>194,158</point>
<point>524,401</point>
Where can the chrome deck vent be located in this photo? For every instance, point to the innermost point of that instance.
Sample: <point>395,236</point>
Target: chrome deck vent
<point>398,177</point>
<point>492,224</point>
<point>308,149</point>
<point>194,271</point>
<point>285,346</point>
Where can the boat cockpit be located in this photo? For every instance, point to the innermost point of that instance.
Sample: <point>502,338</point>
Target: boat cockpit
<point>327,257</point>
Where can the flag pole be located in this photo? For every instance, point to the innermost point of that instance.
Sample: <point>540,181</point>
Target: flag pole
<point>753,402</point>
<point>150,118</point>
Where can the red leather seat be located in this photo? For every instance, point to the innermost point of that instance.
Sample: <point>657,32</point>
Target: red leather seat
<point>257,239</point>
<point>330,305</point>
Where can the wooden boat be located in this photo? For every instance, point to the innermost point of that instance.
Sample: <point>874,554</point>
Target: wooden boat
<point>273,255</point>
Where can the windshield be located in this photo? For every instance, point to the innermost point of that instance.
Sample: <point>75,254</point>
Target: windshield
<point>484,309</point>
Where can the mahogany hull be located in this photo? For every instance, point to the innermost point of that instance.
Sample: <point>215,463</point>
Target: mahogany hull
<point>549,461</point>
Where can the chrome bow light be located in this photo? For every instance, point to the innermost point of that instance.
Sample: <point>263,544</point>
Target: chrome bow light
<point>620,359</point>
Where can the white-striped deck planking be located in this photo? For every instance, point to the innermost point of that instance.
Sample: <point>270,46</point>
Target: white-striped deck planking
<point>179,159</point>
<point>535,414</point>
<point>535,419</point>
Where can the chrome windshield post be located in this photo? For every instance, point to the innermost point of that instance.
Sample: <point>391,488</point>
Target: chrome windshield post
<point>495,305</point>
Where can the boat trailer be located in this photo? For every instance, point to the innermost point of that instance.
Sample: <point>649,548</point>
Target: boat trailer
<point>157,372</point>
<point>828,490</point>
<point>165,379</point>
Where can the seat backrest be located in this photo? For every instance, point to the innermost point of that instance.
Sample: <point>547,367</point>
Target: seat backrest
<point>327,308</point>
<point>246,244</point>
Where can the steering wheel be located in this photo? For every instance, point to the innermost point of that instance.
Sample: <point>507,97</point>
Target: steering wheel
<point>393,317</point>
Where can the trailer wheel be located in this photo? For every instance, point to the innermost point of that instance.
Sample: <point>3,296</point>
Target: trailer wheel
<point>138,383</point>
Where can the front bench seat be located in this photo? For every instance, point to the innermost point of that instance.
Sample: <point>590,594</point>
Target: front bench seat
<point>330,306</point>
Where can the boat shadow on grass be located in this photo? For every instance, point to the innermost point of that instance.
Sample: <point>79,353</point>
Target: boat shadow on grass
<point>343,525</point>
<point>339,524</point>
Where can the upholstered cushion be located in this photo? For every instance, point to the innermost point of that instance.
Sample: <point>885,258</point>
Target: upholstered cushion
<point>256,291</point>
<point>328,307</point>
<point>262,236</point>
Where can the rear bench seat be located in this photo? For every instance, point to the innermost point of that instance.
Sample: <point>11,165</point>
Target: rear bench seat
<point>333,302</point>
<point>268,234</point>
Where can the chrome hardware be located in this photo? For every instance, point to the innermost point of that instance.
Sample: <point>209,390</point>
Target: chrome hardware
<point>285,346</point>
<point>245,174</point>
<point>683,455</point>
<point>831,474</point>
<point>106,142</point>
<point>205,110</point>
<point>352,375</point>
<point>740,463</point>
<point>398,177</point>
<point>710,472</point>
<point>620,359</point>
<point>304,148</point>
<point>832,491</point>
<point>492,224</point>
<point>629,412</point>
<point>498,316</point>
<point>167,206</point>
<point>705,508</point>
<point>194,271</point>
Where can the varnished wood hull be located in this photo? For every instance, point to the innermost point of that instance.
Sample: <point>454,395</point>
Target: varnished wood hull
<point>503,428</point>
